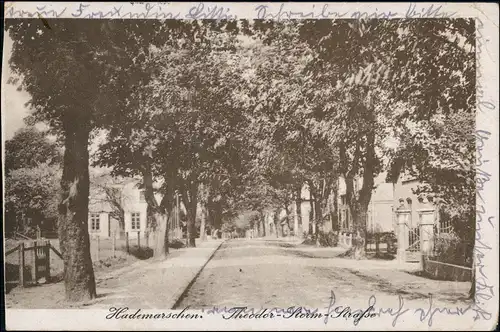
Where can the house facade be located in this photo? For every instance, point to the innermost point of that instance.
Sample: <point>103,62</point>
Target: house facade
<point>380,209</point>
<point>101,223</point>
<point>127,194</point>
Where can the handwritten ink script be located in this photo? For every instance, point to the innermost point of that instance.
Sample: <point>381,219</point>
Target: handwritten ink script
<point>159,11</point>
<point>371,310</point>
<point>221,12</point>
<point>424,314</point>
<point>324,12</point>
<point>484,291</point>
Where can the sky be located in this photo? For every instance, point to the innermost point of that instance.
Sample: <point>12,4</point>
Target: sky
<point>13,109</point>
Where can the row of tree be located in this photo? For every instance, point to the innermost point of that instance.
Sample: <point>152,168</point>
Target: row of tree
<point>239,115</point>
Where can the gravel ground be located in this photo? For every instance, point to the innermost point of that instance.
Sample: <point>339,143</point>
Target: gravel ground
<point>271,273</point>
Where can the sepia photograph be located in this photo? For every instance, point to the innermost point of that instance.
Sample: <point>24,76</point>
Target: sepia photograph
<point>250,168</point>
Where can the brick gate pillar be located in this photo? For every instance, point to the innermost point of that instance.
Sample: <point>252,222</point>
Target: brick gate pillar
<point>402,217</point>
<point>427,221</point>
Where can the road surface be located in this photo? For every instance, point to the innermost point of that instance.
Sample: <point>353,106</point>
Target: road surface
<point>265,273</point>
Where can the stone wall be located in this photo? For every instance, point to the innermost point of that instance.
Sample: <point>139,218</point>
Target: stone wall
<point>445,271</point>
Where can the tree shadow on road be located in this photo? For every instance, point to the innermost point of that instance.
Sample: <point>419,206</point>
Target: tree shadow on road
<point>279,243</point>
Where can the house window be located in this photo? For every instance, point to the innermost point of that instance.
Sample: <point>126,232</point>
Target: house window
<point>136,221</point>
<point>142,196</point>
<point>95,222</point>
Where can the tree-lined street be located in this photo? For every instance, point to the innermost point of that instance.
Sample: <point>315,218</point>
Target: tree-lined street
<point>235,118</point>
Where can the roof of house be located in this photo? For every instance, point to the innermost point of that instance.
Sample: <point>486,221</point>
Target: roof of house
<point>100,206</point>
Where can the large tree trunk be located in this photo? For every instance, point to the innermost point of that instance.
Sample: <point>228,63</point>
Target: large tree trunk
<point>276,222</point>
<point>295,221</point>
<point>79,280</point>
<point>311,213</point>
<point>161,235</point>
<point>359,225</point>
<point>203,235</point>
<point>287,216</point>
<point>190,198</point>
<point>324,205</point>
<point>263,223</point>
<point>358,249</point>
<point>214,213</point>
<point>258,225</point>
<point>335,213</point>
<point>318,213</point>
<point>298,210</point>
<point>151,220</point>
<point>204,194</point>
<point>158,212</point>
<point>359,206</point>
<point>316,201</point>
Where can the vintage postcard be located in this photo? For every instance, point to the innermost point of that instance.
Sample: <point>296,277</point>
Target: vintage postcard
<point>250,166</point>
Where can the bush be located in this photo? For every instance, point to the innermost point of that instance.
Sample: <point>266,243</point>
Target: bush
<point>176,244</point>
<point>325,239</point>
<point>330,239</point>
<point>449,248</point>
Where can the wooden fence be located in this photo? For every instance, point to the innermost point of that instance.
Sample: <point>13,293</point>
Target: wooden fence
<point>106,247</point>
<point>138,243</point>
<point>40,260</point>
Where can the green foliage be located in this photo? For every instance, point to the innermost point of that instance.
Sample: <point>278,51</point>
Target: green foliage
<point>32,194</point>
<point>254,110</point>
<point>29,148</point>
<point>450,248</point>
<point>32,168</point>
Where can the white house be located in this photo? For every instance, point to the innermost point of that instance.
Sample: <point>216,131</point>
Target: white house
<point>100,221</point>
<point>380,209</point>
<point>127,194</point>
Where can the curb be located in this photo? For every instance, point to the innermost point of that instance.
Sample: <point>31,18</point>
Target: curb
<point>184,290</point>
